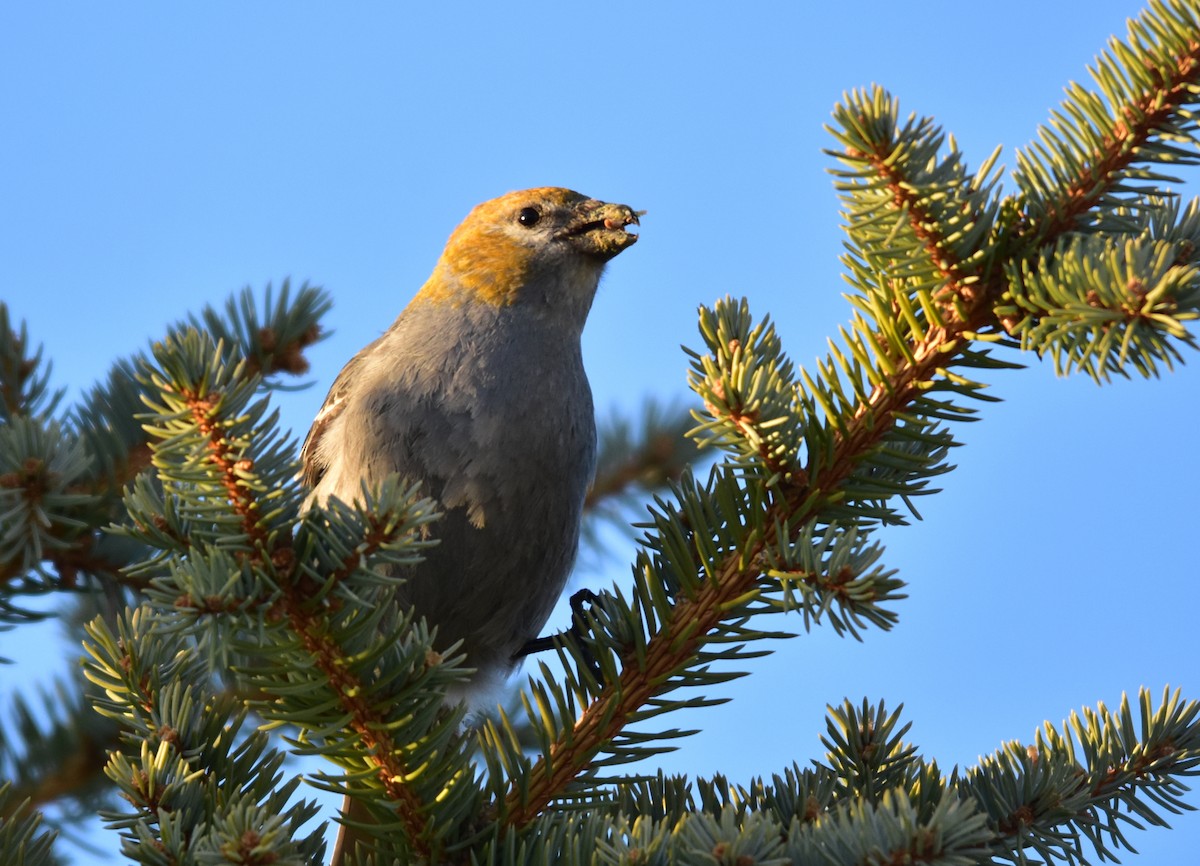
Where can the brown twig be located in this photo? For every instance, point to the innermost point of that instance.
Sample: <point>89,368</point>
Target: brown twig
<point>221,453</point>
<point>371,727</point>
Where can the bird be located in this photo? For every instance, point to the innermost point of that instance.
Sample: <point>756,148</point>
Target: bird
<point>478,392</point>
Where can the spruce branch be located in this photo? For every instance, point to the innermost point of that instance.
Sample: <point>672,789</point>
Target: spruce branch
<point>24,378</point>
<point>294,605</point>
<point>875,799</point>
<point>1101,772</point>
<point>930,245</point>
<point>273,341</point>
<point>367,723</point>
<point>22,840</point>
<point>44,539</point>
<point>634,460</point>
<point>1091,161</point>
<point>61,479</point>
<point>631,462</point>
<point>269,342</point>
<point>667,653</point>
<point>196,780</point>
<point>54,749</point>
<point>1105,306</point>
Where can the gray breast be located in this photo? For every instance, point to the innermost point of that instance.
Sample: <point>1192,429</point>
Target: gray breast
<point>508,450</point>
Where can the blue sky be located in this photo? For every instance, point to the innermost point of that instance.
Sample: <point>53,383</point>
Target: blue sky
<point>158,157</point>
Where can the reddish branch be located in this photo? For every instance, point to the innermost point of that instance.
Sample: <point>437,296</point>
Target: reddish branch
<point>970,309</point>
<point>221,453</point>
<point>1118,150</point>
<point>923,224</point>
<point>694,616</point>
<point>667,652</point>
<point>376,535</point>
<point>310,623</point>
<point>371,727</point>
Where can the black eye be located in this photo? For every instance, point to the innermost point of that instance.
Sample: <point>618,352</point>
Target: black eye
<point>529,217</point>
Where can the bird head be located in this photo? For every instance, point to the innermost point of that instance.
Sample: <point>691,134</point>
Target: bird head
<point>531,246</point>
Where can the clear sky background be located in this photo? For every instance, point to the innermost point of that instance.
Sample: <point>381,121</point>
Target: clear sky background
<point>155,157</point>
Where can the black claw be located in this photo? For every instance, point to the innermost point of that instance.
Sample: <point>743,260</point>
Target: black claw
<point>580,601</point>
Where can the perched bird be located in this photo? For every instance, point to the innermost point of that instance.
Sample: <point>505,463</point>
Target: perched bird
<point>478,392</point>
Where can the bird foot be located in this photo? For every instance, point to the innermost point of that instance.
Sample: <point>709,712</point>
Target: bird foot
<point>574,635</point>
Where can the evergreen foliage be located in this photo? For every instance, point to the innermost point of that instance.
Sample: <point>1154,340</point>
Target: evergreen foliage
<point>229,627</point>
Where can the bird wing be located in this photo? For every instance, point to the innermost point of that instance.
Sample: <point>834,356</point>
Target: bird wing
<point>313,463</point>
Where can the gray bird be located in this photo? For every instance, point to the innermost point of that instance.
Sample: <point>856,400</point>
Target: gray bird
<point>478,392</point>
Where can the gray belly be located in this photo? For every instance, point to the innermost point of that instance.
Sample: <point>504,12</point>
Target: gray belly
<point>493,586</point>
<point>507,450</point>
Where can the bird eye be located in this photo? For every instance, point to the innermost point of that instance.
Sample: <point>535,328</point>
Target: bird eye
<point>529,217</point>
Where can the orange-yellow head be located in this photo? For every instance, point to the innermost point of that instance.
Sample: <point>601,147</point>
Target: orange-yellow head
<point>525,241</point>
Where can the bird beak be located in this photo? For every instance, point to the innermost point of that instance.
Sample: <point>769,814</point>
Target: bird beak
<point>600,229</point>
